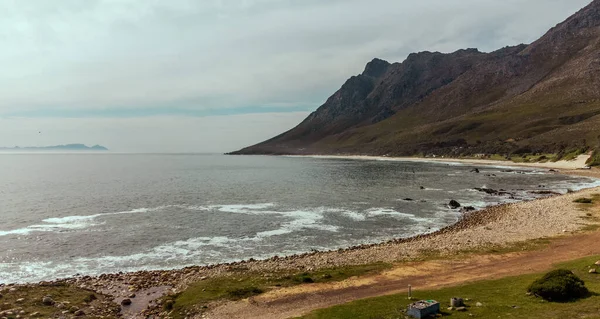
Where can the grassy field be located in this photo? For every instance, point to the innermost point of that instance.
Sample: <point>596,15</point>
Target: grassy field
<point>504,298</point>
<point>244,284</point>
<point>28,300</point>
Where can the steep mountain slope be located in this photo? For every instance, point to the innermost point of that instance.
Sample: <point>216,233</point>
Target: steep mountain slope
<point>542,97</point>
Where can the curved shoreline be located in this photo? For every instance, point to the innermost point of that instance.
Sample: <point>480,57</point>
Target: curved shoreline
<point>463,221</point>
<point>494,226</point>
<point>577,163</point>
<point>466,220</point>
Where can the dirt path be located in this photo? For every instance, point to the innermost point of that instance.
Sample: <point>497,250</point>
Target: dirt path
<point>300,300</point>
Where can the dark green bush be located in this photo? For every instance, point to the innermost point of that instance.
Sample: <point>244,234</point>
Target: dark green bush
<point>559,286</point>
<point>89,298</point>
<point>583,200</point>
<point>304,278</point>
<point>594,159</point>
<point>168,305</point>
<point>243,293</point>
<point>307,280</point>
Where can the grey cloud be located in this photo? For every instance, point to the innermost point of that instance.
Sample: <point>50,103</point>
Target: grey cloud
<point>99,54</point>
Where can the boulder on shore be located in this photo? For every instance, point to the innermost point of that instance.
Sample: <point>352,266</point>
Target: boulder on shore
<point>454,204</point>
<point>47,301</point>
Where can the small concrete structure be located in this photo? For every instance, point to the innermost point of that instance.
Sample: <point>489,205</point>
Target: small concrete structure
<point>423,309</point>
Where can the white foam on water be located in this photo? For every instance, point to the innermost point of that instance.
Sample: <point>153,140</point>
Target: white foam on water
<point>51,227</point>
<point>301,220</point>
<point>20,231</point>
<point>479,204</point>
<point>195,243</point>
<point>242,209</point>
<point>390,212</point>
<point>194,250</point>
<point>71,222</point>
<point>75,219</point>
<point>592,183</point>
<point>176,252</point>
<point>355,216</point>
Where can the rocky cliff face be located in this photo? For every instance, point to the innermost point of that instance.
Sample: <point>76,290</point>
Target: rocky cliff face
<point>539,97</point>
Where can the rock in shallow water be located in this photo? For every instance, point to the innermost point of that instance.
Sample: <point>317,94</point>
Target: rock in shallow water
<point>454,204</point>
<point>467,209</point>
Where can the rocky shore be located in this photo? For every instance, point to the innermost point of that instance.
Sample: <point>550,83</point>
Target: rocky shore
<point>139,293</point>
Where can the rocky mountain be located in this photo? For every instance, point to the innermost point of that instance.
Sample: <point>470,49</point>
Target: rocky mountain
<point>541,97</point>
<point>67,147</point>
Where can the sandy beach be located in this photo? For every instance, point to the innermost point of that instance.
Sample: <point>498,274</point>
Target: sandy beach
<point>494,227</point>
<point>577,163</point>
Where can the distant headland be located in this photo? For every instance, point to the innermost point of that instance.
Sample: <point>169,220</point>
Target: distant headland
<point>66,147</point>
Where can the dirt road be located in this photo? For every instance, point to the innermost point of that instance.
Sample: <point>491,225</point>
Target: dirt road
<point>300,300</point>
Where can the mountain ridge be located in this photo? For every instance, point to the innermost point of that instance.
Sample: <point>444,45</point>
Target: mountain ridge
<point>541,97</point>
<point>65,147</point>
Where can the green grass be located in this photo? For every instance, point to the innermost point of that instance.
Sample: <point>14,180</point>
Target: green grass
<point>572,154</point>
<point>524,158</point>
<point>497,157</point>
<point>595,159</point>
<point>535,158</point>
<point>245,284</point>
<point>583,200</point>
<point>591,207</point>
<point>67,295</point>
<point>504,298</point>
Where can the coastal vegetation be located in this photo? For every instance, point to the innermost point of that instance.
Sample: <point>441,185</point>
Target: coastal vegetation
<point>559,285</point>
<point>594,159</point>
<point>54,300</point>
<point>532,157</point>
<point>245,284</point>
<point>583,200</point>
<point>505,298</point>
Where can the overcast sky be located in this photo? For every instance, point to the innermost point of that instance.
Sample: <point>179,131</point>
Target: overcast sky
<point>216,75</point>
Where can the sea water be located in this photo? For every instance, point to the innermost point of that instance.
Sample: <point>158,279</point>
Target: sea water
<point>68,214</point>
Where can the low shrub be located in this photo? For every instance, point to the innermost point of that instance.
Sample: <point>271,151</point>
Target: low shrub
<point>583,200</point>
<point>594,159</point>
<point>168,305</point>
<point>559,285</point>
<point>244,293</point>
<point>304,278</point>
<point>307,280</point>
<point>89,298</point>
